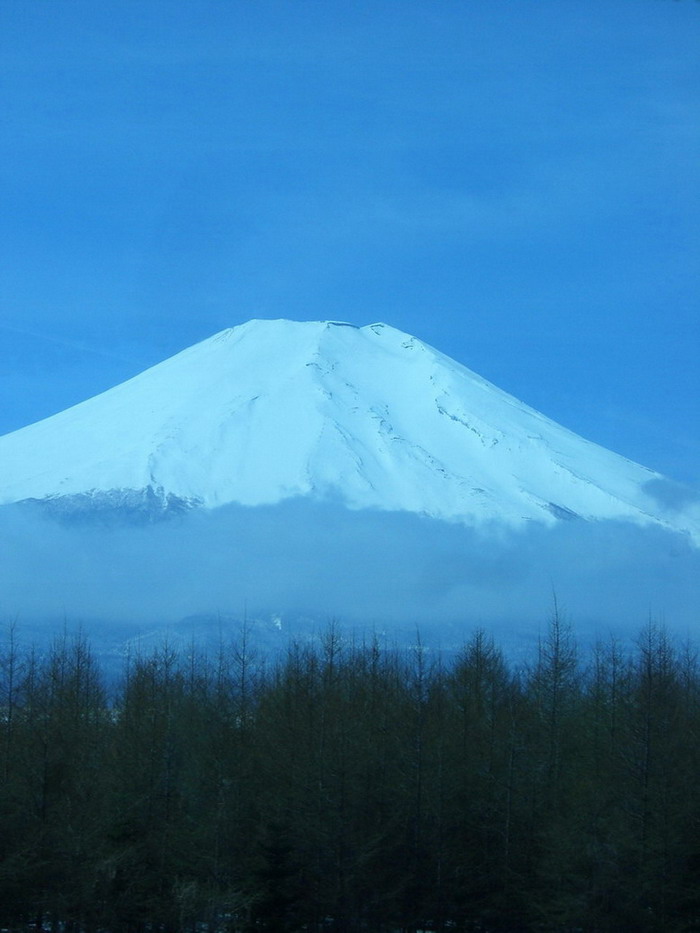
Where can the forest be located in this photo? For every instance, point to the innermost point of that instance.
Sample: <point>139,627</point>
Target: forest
<point>350,786</point>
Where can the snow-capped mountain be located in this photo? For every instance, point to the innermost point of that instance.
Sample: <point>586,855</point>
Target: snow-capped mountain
<point>367,416</point>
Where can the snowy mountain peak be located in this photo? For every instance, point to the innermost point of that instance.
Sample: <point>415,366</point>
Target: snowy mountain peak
<point>270,410</point>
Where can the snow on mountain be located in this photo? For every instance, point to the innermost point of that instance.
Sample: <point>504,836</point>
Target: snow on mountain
<point>370,416</point>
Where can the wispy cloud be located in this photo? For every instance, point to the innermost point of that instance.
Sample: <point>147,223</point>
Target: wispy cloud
<point>78,345</point>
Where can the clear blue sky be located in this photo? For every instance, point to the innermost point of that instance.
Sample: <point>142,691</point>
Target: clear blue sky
<point>517,182</point>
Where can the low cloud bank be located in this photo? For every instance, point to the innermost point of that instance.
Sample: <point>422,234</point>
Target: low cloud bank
<point>370,569</point>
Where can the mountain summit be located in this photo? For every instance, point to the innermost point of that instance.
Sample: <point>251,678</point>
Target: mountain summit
<point>367,416</point>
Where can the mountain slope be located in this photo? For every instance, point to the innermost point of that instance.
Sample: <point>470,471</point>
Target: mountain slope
<point>275,409</point>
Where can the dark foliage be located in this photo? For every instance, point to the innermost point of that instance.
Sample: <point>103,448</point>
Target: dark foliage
<point>350,788</point>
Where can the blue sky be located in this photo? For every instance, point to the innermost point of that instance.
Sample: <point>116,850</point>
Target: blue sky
<point>517,183</point>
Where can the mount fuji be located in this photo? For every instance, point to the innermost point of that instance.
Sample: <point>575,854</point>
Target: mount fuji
<point>368,417</point>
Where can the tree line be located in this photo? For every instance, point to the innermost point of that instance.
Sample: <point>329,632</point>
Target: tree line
<point>349,787</point>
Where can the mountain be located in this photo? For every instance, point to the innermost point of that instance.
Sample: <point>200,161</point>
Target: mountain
<point>366,416</point>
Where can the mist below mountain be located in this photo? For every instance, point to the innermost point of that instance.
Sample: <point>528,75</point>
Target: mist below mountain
<point>293,567</point>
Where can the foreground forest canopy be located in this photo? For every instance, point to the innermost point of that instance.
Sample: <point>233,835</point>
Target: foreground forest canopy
<point>347,787</point>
